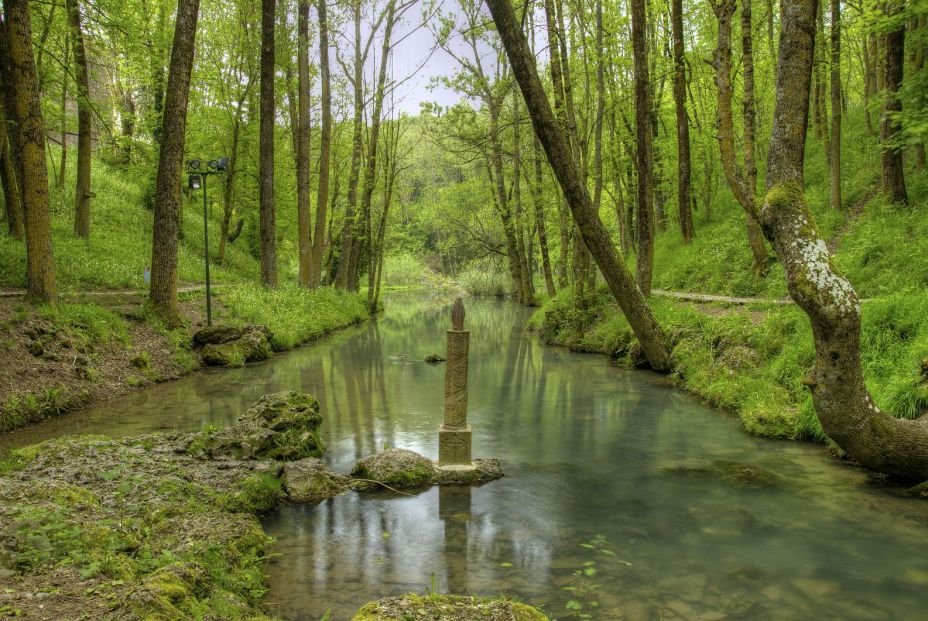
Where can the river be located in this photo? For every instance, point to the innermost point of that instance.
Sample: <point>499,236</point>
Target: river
<point>623,498</point>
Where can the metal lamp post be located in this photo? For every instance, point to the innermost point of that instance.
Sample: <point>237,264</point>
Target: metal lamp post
<point>196,178</point>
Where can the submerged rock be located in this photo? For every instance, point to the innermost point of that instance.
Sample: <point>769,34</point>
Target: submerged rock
<point>310,480</point>
<point>736,473</point>
<point>745,475</point>
<point>448,608</point>
<point>282,426</point>
<point>397,468</point>
<point>400,468</point>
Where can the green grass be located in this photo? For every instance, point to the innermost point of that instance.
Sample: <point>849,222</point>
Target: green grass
<point>119,247</point>
<point>294,314</point>
<point>883,251</point>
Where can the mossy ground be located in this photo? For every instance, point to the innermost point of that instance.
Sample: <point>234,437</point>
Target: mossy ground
<point>437,607</point>
<point>133,527</point>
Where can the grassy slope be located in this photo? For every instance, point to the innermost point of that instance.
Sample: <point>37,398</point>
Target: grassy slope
<point>114,258</point>
<point>752,361</point>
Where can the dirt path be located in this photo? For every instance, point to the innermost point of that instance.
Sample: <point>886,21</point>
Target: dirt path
<point>708,297</point>
<point>103,293</point>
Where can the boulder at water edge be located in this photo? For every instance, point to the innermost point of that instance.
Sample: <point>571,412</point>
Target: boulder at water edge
<point>283,426</point>
<point>230,346</point>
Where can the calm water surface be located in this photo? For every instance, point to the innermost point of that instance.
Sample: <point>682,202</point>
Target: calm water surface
<point>590,451</point>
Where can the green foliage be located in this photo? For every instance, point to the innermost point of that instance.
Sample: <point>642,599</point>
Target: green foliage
<point>404,269</point>
<point>119,247</point>
<point>488,278</point>
<point>294,314</point>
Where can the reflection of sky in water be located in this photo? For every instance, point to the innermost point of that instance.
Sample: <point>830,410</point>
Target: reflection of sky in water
<point>589,449</point>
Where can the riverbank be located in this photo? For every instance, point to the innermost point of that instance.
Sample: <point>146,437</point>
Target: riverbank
<point>70,355</point>
<point>165,525</point>
<point>751,359</point>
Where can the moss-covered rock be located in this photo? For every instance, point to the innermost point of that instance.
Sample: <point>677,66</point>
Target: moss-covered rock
<point>216,335</point>
<point>282,426</point>
<point>397,468</point>
<point>310,480</point>
<point>447,608</point>
<point>435,358</point>
<point>235,346</point>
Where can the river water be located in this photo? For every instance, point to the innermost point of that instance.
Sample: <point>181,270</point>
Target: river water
<point>623,499</point>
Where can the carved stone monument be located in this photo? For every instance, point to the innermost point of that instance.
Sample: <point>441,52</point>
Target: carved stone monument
<point>454,436</point>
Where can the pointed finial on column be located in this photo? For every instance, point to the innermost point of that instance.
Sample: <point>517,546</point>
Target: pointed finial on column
<point>457,315</point>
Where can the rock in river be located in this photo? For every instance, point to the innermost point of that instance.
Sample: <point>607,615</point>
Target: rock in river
<point>282,426</point>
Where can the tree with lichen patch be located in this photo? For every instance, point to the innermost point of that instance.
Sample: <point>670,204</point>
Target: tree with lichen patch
<point>843,404</point>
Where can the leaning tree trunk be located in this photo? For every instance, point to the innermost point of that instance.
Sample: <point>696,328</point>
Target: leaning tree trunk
<point>643,156</point>
<point>843,405</point>
<point>84,124</point>
<point>890,127</point>
<point>163,293</point>
<point>654,342</point>
<point>684,200</point>
<point>26,114</point>
<point>266,148</point>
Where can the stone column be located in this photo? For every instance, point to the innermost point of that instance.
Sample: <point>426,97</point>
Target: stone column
<point>454,436</point>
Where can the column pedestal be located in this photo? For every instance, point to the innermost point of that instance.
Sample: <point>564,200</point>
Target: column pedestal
<point>454,447</point>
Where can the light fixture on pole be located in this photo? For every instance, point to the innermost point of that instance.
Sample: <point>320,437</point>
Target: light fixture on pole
<point>196,179</point>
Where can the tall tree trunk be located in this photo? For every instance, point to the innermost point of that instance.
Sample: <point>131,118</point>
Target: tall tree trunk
<point>868,46</point>
<point>350,227</point>
<point>645,264</point>
<point>127,127</point>
<point>917,65</point>
<point>654,342</point>
<point>844,407</point>
<point>304,221</point>
<point>28,127</point>
<point>892,160</point>
<point>559,109</point>
<point>163,293</point>
<point>266,147</point>
<point>538,200</point>
<point>370,169</point>
<point>496,175</point>
<point>228,191</point>
<point>325,145</point>
<point>12,197</point>
<point>84,123</point>
<point>749,115</point>
<point>63,160</point>
<point>742,186</point>
<point>684,196</point>
<point>525,261</point>
<point>835,159</point>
